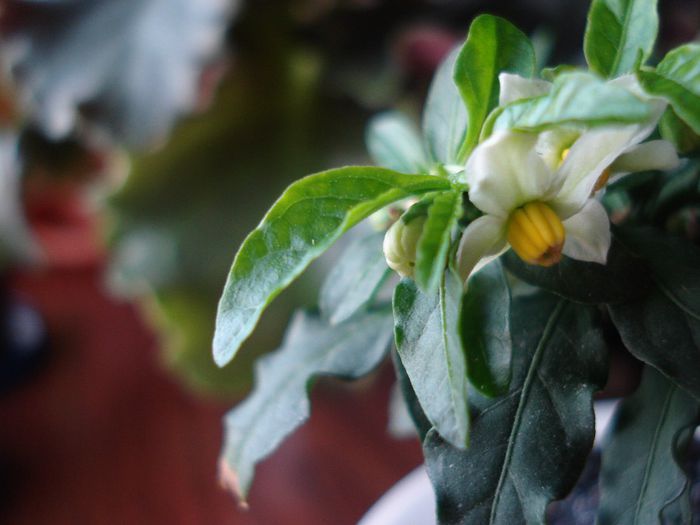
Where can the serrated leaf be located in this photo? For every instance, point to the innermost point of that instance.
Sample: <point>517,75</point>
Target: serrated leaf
<point>445,115</point>
<point>280,404</point>
<point>485,330</point>
<point>625,277</point>
<point>641,473</point>
<point>434,242</point>
<point>394,142</point>
<point>354,279</point>
<point>662,327</point>
<point>493,46</point>
<point>304,222</point>
<point>575,99</point>
<point>620,34</point>
<point>101,56</point>
<point>677,79</point>
<point>528,447</point>
<point>428,343</point>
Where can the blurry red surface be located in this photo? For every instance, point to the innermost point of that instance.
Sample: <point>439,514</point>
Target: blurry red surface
<point>103,435</point>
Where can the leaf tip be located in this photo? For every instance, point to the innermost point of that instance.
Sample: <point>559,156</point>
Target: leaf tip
<point>229,481</point>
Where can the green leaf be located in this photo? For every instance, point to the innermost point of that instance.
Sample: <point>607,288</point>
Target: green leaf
<point>493,46</point>
<point>486,330</point>
<point>620,35</point>
<point>306,220</point>
<point>641,473</point>
<point>662,328</point>
<point>575,99</point>
<point>354,279</point>
<point>445,116</point>
<point>420,422</point>
<point>677,79</point>
<point>677,132</point>
<point>528,447</point>
<point>280,404</point>
<point>428,343</point>
<point>394,142</point>
<point>623,278</point>
<point>434,243</point>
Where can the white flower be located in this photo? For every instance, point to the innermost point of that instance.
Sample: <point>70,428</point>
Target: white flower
<point>536,190</point>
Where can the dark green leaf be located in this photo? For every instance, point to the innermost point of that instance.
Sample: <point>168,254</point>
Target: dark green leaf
<point>354,279</point>
<point>434,242</point>
<point>486,330</point>
<point>641,474</point>
<point>620,34</point>
<point>529,447</point>
<point>662,328</point>
<point>575,99</point>
<point>677,79</point>
<point>279,404</point>
<point>306,220</point>
<point>445,116</point>
<point>493,46</point>
<point>624,277</point>
<point>427,338</point>
<point>394,142</point>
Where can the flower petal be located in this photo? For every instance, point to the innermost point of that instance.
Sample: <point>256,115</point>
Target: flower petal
<point>588,234</point>
<point>552,143</point>
<point>505,172</point>
<point>652,155</point>
<point>482,241</point>
<point>515,87</point>
<point>598,148</point>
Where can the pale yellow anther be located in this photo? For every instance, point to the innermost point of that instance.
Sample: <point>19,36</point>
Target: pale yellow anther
<point>564,154</point>
<point>536,234</point>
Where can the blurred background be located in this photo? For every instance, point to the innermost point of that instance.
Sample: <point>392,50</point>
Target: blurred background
<point>140,140</point>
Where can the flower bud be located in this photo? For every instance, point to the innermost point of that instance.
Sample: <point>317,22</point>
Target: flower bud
<point>400,244</point>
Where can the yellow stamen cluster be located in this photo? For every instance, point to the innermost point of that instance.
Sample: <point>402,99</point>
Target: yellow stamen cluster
<point>536,234</point>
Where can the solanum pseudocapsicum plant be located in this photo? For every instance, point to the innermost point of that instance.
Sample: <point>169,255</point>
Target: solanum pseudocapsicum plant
<point>515,179</point>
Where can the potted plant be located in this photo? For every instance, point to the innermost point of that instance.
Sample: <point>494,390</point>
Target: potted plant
<point>538,211</point>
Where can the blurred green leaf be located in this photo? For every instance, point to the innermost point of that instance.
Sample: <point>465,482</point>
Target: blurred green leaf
<point>445,115</point>
<point>620,35</point>
<point>677,79</point>
<point>354,279</point>
<point>280,404</point>
<point>306,220</point>
<point>116,64</point>
<point>429,346</point>
<point>485,330</point>
<point>434,242</point>
<point>578,99</point>
<point>642,472</point>
<point>394,142</point>
<point>493,46</point>
<point>526,448</point>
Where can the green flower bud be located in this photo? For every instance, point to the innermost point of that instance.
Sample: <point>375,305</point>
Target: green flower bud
<point>400,244</point>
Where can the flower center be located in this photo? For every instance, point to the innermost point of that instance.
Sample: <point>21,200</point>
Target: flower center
<point>602,179</point>
<point>536,234</point>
